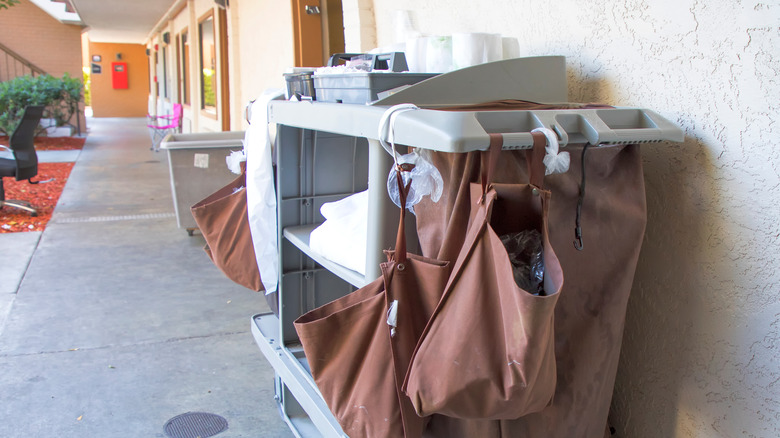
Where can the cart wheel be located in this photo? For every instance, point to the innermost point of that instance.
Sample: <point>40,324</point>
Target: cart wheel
<point>190,232</point>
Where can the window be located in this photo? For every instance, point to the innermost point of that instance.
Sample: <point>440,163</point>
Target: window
<point>184,68</point>
<point>157,75</point>
<point>208,65</point>
<point>165,71</point>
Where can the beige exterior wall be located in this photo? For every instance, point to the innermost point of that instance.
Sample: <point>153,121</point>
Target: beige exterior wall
<point>176,27</point>
<point>162,73</point>
<point>194,119</point>
<point>360,25</point>
<point>264,46</point>
<point>700,352</point>
<point>260,50</point>
<point>243,18</point>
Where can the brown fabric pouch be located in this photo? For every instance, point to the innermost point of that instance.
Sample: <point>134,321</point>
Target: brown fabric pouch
<point>356,360</point>
<point>589,315</point>
<point>222,218</point>
<point>488,350</point>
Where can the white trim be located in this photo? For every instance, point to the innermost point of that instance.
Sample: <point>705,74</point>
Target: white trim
<point>57,10</point>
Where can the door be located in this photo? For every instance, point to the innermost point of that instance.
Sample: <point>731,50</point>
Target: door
<point>318,31</point>
<point>224,67</point>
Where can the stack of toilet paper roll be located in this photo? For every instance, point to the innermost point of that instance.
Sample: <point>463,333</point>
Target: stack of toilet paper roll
<point>476,48</point>
<point>440,54</point>
<point>443,53</point>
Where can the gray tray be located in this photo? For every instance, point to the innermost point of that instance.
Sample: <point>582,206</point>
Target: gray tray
<point>361,87</point>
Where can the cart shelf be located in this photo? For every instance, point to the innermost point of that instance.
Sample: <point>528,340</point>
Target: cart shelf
<point>299,236</point>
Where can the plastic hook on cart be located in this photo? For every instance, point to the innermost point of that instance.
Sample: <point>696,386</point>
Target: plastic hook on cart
<point>386,124</point>
<point>426,179</point>
<point>554,160</point>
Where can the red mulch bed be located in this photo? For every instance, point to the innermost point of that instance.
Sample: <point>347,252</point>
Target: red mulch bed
<point>52,143</point>
<point>42,196</point>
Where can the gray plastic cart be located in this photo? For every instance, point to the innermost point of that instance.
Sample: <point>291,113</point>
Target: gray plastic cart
<point>198,168</point>
<point>326,151</point>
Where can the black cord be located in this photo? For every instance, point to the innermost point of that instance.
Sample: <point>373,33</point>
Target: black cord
<point>580,200</point>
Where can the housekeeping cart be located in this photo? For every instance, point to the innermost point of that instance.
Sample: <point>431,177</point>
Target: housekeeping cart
<point>328,151</point>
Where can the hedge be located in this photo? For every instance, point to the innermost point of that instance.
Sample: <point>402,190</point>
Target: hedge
<point>60,96</point>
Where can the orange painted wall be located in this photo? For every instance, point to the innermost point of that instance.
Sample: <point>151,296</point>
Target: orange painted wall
<point>130,102</point>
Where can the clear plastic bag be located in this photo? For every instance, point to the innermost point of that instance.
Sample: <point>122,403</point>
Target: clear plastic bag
<point>525,253</point>
<point>234,161</point>
<point>555,161</point>
<point>426,180</point>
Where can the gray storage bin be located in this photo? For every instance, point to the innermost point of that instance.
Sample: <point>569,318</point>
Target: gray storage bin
<point>313,168</point>
<point>300,82</point>
<point>198,168</point>
<point>361,87</point>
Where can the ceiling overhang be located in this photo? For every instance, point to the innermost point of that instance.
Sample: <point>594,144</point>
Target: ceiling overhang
<point>60,10</point>
<point>121,21</point>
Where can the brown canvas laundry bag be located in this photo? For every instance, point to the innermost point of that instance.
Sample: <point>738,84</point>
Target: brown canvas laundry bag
<point>222,218</point>
<point>358,360</point>
<point>488,349</point>
<point>589,316</point>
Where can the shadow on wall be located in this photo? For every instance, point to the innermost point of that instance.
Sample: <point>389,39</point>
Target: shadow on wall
<point>666,314</point>
<point>661,349</point>
<point>588,89</point>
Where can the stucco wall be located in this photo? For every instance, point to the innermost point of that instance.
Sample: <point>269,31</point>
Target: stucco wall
<point>260,50</point>
<point>194,118</point>
<point>165,105</point>
<point>360,34</point>
<point>701,351</point>
<point>185,19</point>
<point>264,49</point>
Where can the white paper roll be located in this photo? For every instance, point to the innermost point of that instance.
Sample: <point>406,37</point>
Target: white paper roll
<point>402,26</point>
<point>511,48</point>
<point>416,50</point>
<point>475,48</point>
<point>439,54</point>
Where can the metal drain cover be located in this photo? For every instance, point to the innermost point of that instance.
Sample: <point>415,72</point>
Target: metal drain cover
<point>195,425</point>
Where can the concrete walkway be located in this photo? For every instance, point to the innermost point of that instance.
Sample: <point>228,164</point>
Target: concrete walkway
<point>113,320</point>
<point>48,156</point>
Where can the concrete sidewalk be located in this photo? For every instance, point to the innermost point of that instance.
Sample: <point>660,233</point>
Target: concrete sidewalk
<point>49,156</point>
<point>113,320</point>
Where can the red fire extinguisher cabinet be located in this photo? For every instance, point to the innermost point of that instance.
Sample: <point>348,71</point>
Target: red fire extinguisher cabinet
<point>119,75</point>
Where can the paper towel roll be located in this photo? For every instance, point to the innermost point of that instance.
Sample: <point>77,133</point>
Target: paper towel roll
<point>511,48</point>
<point>438,54</point>
<point>475,48</point>
<point>416,50</point>
<point>403,27</point>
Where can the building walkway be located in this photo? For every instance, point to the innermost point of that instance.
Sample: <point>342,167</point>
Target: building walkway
<point>113,320</point>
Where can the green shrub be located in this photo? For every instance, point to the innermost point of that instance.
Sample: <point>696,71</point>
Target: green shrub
<point>5,4</point>
<point>87,84</point>
<point>68,103</point>
<point>60,96</point>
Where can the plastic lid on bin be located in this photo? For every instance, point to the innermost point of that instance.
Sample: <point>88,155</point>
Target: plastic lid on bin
<point>534,79</point>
